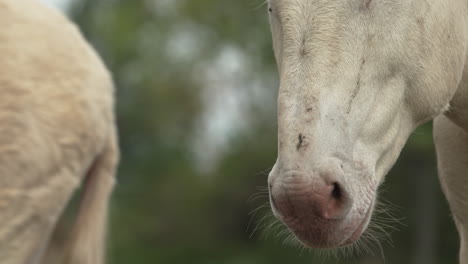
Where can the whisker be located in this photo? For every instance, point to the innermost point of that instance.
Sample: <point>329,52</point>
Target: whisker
<point>256,196</point>
<point>385,220</point>
<point>265,172</point>
<point>258,4</point>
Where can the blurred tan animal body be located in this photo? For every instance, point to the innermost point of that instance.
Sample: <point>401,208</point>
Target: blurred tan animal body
<point>57,130</point>
<point>356,78</point>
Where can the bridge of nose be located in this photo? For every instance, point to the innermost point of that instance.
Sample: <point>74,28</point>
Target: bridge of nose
<point>307,140</point>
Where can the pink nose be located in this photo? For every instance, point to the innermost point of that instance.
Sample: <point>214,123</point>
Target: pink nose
<point>307,200</point>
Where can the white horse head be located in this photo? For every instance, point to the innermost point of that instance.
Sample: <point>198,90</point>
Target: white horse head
<point>356,78</point>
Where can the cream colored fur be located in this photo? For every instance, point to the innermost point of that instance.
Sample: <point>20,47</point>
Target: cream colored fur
<point>57,131</point>
<point>358,76</point>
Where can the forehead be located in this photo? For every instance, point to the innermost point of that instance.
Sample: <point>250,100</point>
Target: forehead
<point>282,4</point>
<point>285,3</point>
<point>308,9</point>
<point>312,13</point>
<point>324,5</point>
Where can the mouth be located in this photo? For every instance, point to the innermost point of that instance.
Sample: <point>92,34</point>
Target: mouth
<point>310,237</point>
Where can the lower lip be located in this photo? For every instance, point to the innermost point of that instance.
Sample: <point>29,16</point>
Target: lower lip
<point>357,233</point>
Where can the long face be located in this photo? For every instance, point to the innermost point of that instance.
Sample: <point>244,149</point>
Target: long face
<point>356,78</point>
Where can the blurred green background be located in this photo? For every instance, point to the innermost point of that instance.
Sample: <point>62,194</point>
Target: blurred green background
<point>196,87</point>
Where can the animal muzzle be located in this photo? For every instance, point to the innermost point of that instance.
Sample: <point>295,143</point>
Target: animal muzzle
<point>314,207</point>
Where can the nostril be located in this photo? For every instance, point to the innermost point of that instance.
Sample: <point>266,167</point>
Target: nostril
<point>337,192</point>
<point>339,204</point>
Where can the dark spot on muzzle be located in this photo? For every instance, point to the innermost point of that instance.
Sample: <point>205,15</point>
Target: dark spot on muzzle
<point>368,2</point>
<point>300,143</point>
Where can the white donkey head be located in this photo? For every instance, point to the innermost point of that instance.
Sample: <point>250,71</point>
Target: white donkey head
<point>356,78</point>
